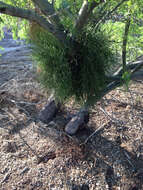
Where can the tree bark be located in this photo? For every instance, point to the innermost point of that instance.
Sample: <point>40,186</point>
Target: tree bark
<point>78,120</point>
<point>133,67</point>
<point>49,111</point>
<point>48,10</point>
<point>84,13</point>
<point>124,47</point>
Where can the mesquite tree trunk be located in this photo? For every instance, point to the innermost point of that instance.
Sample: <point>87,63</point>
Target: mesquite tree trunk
<point>49,111</point>
<point>81,118</point>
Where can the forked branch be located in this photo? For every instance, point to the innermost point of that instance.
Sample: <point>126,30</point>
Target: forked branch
<point>109,13</point>
<point>84,13</point>
<point>48,10</point>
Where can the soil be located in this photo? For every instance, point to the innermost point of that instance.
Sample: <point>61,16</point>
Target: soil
<point>106,154</point>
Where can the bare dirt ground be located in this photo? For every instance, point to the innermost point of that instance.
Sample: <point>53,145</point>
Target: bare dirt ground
<point>107,154</point>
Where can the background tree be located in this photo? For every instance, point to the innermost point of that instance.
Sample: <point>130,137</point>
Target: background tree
<point>79,46</point>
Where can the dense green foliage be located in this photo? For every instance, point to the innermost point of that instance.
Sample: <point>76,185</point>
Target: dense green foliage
<point>51,60</point>
<point>81,75</point>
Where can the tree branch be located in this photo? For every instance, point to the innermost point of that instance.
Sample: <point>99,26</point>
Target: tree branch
<point>109,13</point>
<point>32,16</point>
<point>116,80</point>
<point>84,13</point>
<point>48,10</point>
<point>133,67</point>
<point>46,7</point>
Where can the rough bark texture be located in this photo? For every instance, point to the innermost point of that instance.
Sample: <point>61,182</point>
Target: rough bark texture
<point>125,40</point>
<point>48,112</point>
<point>81,118</point>
<point>48,10</point>
<point>84,13</point>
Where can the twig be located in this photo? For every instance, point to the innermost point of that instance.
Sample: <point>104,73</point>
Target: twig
<point>94,133</point>
<point>21,108</point>
<point>6,83</point>
<point>24,110</point>
<point>128,159</point>
<point>21,102</point>
<point>11,115</point>
<point>109,13</point>
<point>6,128</point>
<point>140,123</point>
<point>117,100</point>
<point>69,136</point>
<point>111,118</point>
<point>34,152</point>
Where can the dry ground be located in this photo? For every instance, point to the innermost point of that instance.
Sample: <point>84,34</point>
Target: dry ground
<point>105,154</point>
